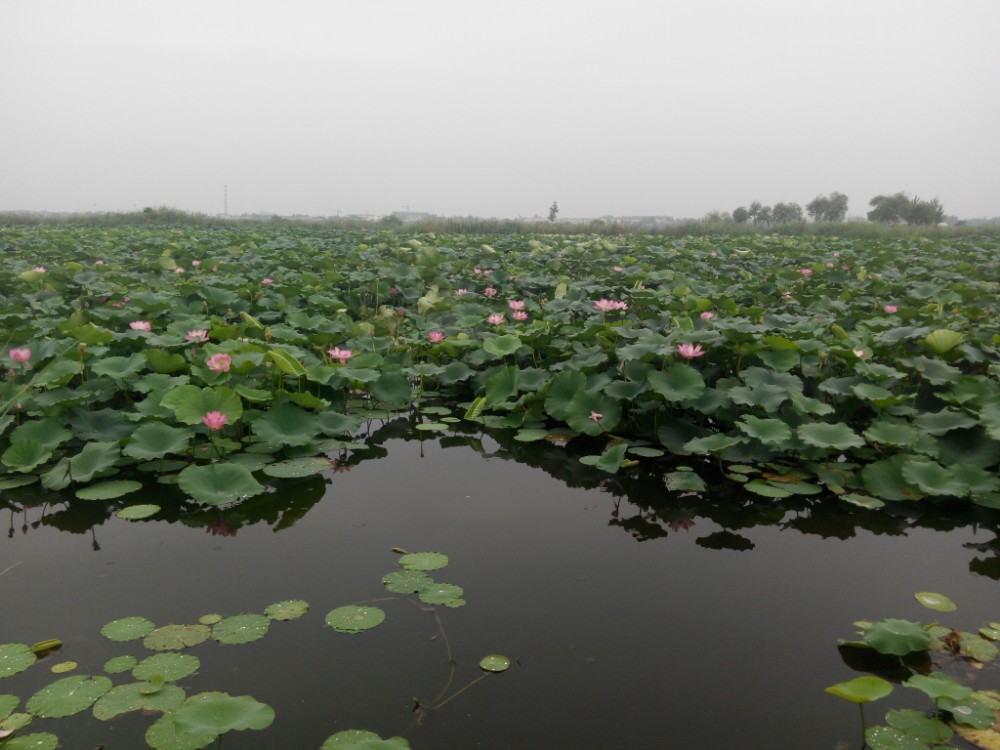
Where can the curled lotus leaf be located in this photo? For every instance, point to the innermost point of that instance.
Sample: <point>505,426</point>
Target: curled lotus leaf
<point>290,609</point>
<point>15,657</point>
<point>354,619</point>
<point>240,629</point>
<point>360,739</point>
<point>217,713</point>
<point>218,484</point>
<point>897,637</point>
<point>861,689</point>
<point>936,686</point>
<point>67,696</point>
<point>176,637</point>
<point>64,666</point>
<point>423,561</point>
<point>128,629</point>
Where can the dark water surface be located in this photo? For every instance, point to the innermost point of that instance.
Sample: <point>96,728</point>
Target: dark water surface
<point>635,619</point>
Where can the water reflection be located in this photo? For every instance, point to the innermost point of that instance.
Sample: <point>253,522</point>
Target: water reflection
<point>641,505</point>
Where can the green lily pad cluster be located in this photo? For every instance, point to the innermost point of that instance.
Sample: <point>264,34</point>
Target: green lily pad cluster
<point>865,367</point>
<point>903,648</point>
<point>413,578</point>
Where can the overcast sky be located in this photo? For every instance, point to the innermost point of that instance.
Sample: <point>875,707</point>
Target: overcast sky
<point>458,107</point>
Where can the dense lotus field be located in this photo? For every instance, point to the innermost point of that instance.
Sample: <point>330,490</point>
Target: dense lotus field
<point>217,359</point>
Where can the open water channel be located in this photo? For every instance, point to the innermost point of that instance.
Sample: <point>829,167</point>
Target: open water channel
<point>635,617</point>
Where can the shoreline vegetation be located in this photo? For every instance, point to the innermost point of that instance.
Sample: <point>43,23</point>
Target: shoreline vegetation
<point>171,217</point>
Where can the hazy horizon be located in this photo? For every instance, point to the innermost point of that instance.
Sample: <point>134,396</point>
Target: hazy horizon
<point>457,109</point>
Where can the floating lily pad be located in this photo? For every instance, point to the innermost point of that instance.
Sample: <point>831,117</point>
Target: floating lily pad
<point>890,738</point>
<point>7,704</point>
<point>937,686</point>
<point>14,658</point>
<point>442,593</point>
<point>210,619</point>
<point>138,512</point>
<point>494,663</point>
<point>64,666</point>
<point>360,739</point>
<point>861,689</point>
<point>124,699</point>
<point>128,629</point>
<point>13,482</point>
<point>354,619</point>
<point>34,741</point>
<point>120,664</point>
<point>168,667</point>
<point>176,637</point>
<point>423,561</point>
<point>240,629</point>
<point>919,725</point>
<point>299,467</point>
<point>68,696</point>
<point>969,712</point>
<point>406,581</point>
<point>218,713</point>
<point>291,609</point>
<point>163,735</point>
<point>937,602</point>
<point>108,490</point>
<point>432,426</point>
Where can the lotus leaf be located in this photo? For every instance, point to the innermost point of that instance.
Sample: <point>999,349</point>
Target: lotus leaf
<point>14,658</point>
<point>406,581</point>
<point>94,458</point>
<point>34,741</point>
<point>176,637</point>
<point>861,689</point>
<point>936,686</point>
<point>919,725</point>
<point>423,561</point>
<point>976,647</point>
<point>155,440</point>
<point>123,699</point>
<point>684,481</point>
<point>240,629</point>
<point>218,484</point>
<point>299,467</point>
<point>108,490</point>
<point>837,436</point>
<point>217,713</point>
<point>678,383</point>
<point>286,424</point>
<point>164,735</point>
<point>890,738</point>
<point>501,346</point>
<point>932,478</point>
<point>968,711</point>
<point>137,512</point>
<point>442,593</point>
<point>768,431</point>
<point>128,629</point>
<point>494,663</point>
<point>48,432</point>
<point>168,667</point>
<point>7,704</point>
<point>63,667</point>
<point>67,696</point>
<point>937,602</point>
<point>291,609</point>
<point>943,340</point>
<point>13,482</point>
<point>354,619</point>
<point>190,403</point>
<point>25,455</point>
<point>392,388</point>
<point>359,739</point>
<point>120,664</point>
<point>897,637</point>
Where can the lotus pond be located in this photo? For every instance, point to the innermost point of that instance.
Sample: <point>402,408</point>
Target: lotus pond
<point>360,490</point>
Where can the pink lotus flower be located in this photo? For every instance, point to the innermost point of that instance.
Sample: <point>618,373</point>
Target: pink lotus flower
<point>197,336</point>
<point>836,254</point>
<point>787,295</point>
<point>435,337</point>
<point>596,416</point>
<point>461,292</point>
<point>707,315</point>
<point>477,271</point>
<point>516,304</point>
<point>713,254</point>
<point>341,355</point>
<point>215,420</point>
<point>519,315</point>
<point>690,351</point>
<point>219,362</point>
<point>859,353</point>
<point>607,305</point>
<point>140,325</point>
<point>496,319</point>
<point>829,265</point>
<point>98,262</point>
<point>195,263</point>
<point>890,309</point>
<point>489,292</point>
<point>618,269</point>
<point>393,291</point>
<point>178,270</point>
<point>39,269</point>
<point>806,271</point>
<point>20,355</point>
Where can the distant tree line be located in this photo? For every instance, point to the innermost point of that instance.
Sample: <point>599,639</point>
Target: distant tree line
<point>832,208</point>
